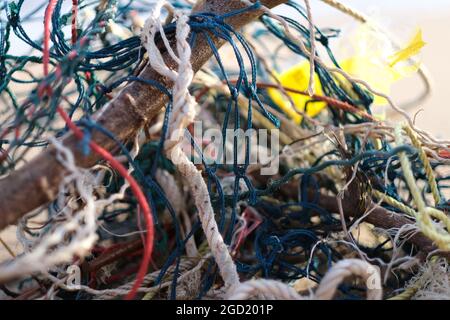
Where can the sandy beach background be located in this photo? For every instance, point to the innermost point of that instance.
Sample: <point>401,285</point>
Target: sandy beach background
<point>402,17</point>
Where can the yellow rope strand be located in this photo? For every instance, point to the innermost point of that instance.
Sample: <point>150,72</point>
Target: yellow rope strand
<point>424,221</point>
<point>407,294</point>
<point>347,10</point>
<point>426,163</point>
<point>394,203</point>
<point>409,211</point>
<point>413,288</point>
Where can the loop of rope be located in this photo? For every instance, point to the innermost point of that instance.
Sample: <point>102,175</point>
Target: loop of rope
<point>182,115</point>
<point>263,288</point>
<point>424,221</point>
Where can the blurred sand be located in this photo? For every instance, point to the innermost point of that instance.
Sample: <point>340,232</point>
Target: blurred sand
<point>433,17</point>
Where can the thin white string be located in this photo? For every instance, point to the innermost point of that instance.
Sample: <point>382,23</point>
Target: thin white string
<point>182,115</point>
<point>313,48</point>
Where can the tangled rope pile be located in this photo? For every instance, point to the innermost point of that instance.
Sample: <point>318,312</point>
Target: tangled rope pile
<point>129,201</point>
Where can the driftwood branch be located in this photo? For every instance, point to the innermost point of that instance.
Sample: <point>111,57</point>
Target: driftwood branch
<point>37,183</point>
<point>379,217</point>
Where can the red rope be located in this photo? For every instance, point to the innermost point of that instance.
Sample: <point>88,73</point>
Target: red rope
<point>444,153</point>
<point>134,186</point>
<point>46,54</point>
<point>74,21</point>
<point>330,101</point>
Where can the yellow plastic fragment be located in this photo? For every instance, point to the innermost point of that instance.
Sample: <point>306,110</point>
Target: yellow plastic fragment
<point>410,50</point>
<point>373,61</point>
<point>297,78</point>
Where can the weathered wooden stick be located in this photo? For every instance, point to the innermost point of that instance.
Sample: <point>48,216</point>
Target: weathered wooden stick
<point>379,217</point>
<point>37,182</point>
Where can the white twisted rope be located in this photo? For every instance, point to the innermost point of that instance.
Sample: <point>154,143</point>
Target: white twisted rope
<point>346,268</point>
<point>266,288</point>
<point>325,291</point>
<point>183,114</point>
